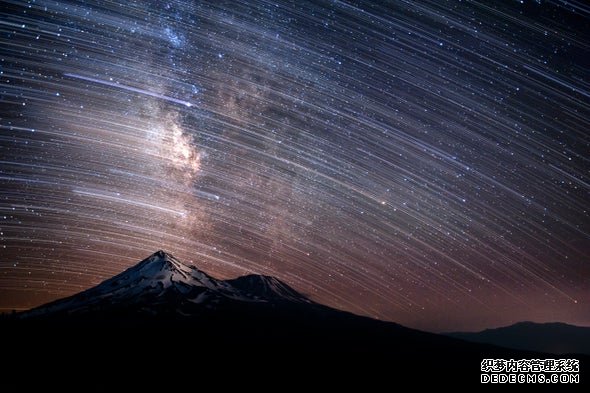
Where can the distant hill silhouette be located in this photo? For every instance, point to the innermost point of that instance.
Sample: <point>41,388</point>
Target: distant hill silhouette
<point>556,338</point>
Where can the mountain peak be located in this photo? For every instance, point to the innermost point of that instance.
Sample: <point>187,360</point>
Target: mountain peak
<point>160,258</point>
<point>266,287</point>
<point>162,261</point>
<point>162,284</point>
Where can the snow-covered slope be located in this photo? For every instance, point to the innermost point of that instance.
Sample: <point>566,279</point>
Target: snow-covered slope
<point>161,283</point>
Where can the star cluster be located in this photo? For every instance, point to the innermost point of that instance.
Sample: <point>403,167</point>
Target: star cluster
<point>423,162</point>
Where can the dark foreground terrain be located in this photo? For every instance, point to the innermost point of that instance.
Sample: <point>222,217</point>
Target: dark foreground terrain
<point>163,325</point>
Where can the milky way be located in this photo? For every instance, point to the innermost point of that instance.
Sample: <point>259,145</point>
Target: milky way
<point>425,162</point>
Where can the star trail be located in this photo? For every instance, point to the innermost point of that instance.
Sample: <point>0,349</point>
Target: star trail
<point>421,162</point>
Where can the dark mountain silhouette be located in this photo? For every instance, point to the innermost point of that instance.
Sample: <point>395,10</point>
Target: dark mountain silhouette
<point>162,324</point>
<point>556,338</point>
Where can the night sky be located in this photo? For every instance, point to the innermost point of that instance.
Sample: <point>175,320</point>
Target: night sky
<point>421,162</point>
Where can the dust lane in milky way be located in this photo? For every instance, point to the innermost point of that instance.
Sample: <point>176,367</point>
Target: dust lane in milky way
<point>423,162</point>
